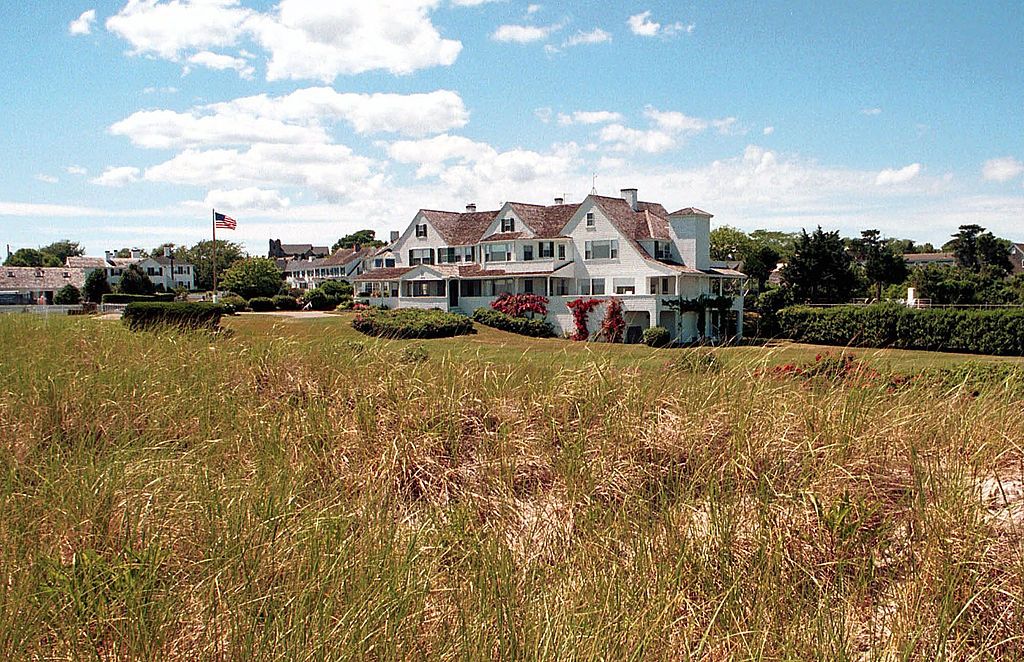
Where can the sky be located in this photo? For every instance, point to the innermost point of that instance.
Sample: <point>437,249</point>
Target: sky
<point>125,122</point>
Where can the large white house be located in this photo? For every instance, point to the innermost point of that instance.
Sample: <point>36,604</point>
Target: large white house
<point>161,269</point>
<point>344,264</point>
<point>657,263</point>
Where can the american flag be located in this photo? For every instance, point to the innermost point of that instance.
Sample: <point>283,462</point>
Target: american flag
<point>225,222</point>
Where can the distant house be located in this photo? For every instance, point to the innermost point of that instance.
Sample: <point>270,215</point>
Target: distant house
<point>26,285</point>
<point>344,264</point>
<point>924,259</point>
<point>282,253</point>
<point>163,271</point>
<point>1017,258</point>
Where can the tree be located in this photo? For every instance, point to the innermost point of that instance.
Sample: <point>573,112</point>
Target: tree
<point>882,264</point>
<point>30,257</point>
<point>96,285</point>
<point>361,237</point>
<point>69,295</point>
<point>975,248</point>
<point>820,270</point>
<point>253,277</point>
<point>759,263</point>
<point>159,250</point>
<point>728,243</point>
<point>134,281</point>
<point>62,250</point>
<point>200,256</point>
<point>124,252</point>
<point>783,242</point>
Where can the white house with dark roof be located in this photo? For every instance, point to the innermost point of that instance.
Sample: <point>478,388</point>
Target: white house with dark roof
<point>161,270</point>
<point>27,285</point>
<point>650,259</point>
<point>344,264</point>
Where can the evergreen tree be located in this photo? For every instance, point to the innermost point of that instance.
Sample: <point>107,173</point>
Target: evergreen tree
<point>96,285</point>
<point>134,281</point>
<point>883,265</point>
<point>253,277</point>
<point>820,271</point>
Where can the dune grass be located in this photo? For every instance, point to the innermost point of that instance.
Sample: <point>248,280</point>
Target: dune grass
<point>294,490</point>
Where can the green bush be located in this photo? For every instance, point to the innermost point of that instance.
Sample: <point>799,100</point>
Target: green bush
<point>411,323</point>
<point>69,295</point>
<point>233,303</point>
<point>892,325</point>
<point>133,298</point>
<point>261,304</point>
<point>285,302</point>
<point>329,295</point>
<point>535,328</point>
<point>141,316</point>
<point>656,336</point>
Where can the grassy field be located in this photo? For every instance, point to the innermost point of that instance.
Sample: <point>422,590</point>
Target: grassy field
<point>293,490</point>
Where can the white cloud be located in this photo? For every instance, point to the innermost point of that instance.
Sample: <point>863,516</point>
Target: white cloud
<point>589,117</point>
<point>161,90</point>
<point>670,120</point>
<point>871,112</point>
<point>47,179</point>
<point>76,170</point>
<point>543,114</point>
<point>642,25</point>
<point>768,130</point>
<point>523,34</point>
<point>595,36</point>
<point>222,62</point>
<point>167,129</point>
<point>83,24</point>
<point>624,139</point>
<point>1002,169</point>
<point>470,3</point>
<point>901,176</point>
<point>532,9</point>
<point>117,176</point>
<point>728,126</point>
<point>303,39</point>
<point>246,198</point>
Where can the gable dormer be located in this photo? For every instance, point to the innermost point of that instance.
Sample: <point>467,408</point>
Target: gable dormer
<point>508,221</point>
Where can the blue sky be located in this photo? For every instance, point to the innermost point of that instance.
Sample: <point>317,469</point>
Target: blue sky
<point>124,122</point>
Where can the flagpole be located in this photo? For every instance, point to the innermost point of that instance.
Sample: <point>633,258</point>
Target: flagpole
<point>214,218</point>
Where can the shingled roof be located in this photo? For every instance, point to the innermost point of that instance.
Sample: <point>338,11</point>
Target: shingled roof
<point>459,228</point>
<point>650,222</point>
<point>40,278</point>
<point>546,222</point>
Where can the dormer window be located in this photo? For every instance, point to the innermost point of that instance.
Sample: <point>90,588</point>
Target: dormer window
<point>662,250</point>
<point>508,225</point>
<point>421,230</point>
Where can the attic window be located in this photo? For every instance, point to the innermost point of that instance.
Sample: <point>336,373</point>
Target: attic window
<point>421,230</point>
<point>10,274</point>
<point>508,225</point>
<point>67,275</point>
<point>590,219</point>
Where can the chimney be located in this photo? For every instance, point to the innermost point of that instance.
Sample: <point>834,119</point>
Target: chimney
<point>559,201</point>
<point>167,251</point>
<point>471,207</point>
<point>136,253</point>
<point>395,234</point>
<point>356,248</point>
<point>629,195</point>
<point>109,255</point>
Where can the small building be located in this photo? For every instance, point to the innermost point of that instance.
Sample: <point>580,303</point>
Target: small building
<point>1017,258</point>
<point>27,285</point>
<point>925,259</point>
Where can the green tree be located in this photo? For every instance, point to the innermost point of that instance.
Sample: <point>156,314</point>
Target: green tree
<point>62,250</point>
<point>200,256</point>
<point>96,285</point>
<point>759,262</point>
<point>728,243</point>
<point>30,257</point>
<point>253,277</point>
<point>69,295</point>
<point>820,271</point>
<point>361,237</point>
<point>134,281</point>
<point>975,248</point>
<point>783,242</point>
<point>883,265</point>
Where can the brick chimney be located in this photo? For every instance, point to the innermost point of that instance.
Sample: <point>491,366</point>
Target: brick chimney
<point>136,253</point>
<point>471,207</point>
<point>559,201</point>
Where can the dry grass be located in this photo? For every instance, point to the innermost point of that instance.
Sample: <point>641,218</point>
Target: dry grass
<point>281,494</point>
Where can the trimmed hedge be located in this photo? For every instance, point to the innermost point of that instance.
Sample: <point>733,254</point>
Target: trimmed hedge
<point>892,325</point>
<point>411,323</point>
<point>142,316</point>
<point>285,302</point>
<point>132,298</point>
<point>656,336</point>
<point>261,304</point>
<point>535,328</point>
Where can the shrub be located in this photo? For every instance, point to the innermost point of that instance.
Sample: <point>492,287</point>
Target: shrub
<point>69,295</point>
<point>96,285</point>
<point>134,281</point>
<point>261,304</point>
<point>656,336</point>
<point>525,327</point>
<point>329,295</point>
<point>141,316</point>
<point>233,303</point>
<point>411,323</point>
<point>254,277</point>
<point>285,302</point>
<point>117,297</point>
<point>892,325</point>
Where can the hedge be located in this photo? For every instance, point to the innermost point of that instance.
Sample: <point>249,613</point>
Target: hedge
<point>998,331</point>
<point>132,298</point>
<point>261,304</point>
<point>285,302</point>
<point>141,316</point>
<point>656,336</point>
<point>535,328</point>
<point>411,323</point>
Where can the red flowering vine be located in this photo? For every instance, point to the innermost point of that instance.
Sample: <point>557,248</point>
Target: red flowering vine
<point>614,324</point>
<point>581,308</point>
<point>518,305</point>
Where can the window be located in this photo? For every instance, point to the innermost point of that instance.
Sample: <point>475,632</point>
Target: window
<point>560,286</point>
<point>471,288</point>
<point>457,254</point>
<point>602,250</point>
<point>653,284</point>
<point>561,251</point>
<point>584,286</point>
<point>590,219</point>
<point>667,286</point>
<point>508,225</point>
<point>546,249</point>
<point>421,230</point>
<point>504,285</point>
<point>527,252</point>
<point>497,253</point>
<point>389,262</point>
<point>624,285</point>
<point>662,250</point>
<point>597,286</point>
<point>421,256</point>
<point>528,286</point>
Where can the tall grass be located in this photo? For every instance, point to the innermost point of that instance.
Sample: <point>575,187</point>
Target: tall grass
<point>280,495</point>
